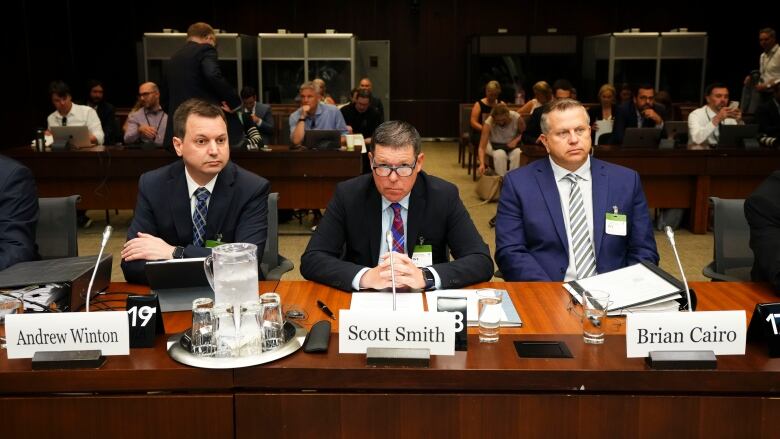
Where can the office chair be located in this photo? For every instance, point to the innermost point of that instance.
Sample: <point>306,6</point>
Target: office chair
<point>273,264</point>
<point>57,231</point>
<point>733,257</point>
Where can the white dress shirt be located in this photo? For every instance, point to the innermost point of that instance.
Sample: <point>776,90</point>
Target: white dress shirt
<point>770,66</point>
<point>585,183</point>
<point>701,130</point>
<point>77,116</point>
<point>387,223</point>
<point>192,186</point>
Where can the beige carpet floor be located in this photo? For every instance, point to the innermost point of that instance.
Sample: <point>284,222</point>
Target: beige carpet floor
<point>440,160</point>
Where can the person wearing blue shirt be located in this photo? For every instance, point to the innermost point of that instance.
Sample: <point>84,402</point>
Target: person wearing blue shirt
<point>314,115</point>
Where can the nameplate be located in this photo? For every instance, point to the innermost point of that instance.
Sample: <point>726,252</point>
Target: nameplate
<point>359,330</point>
<point>722,332</point>
<point>106,331</point>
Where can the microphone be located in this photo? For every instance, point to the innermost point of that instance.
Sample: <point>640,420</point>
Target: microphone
<point>106,235</point>
<point>389,239</point>
<point>670,236</point>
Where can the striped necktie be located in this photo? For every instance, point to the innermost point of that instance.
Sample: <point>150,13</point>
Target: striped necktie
<point>199,217</point>
<point>397,229</point>
<point>584,259</point>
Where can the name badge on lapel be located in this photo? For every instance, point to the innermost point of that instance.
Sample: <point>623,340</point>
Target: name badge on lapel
<point>615,223</point>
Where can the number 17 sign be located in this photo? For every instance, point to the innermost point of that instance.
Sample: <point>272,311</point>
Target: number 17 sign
<point>765,325</point>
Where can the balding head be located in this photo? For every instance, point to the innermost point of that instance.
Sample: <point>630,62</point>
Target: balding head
<point>149,95</point>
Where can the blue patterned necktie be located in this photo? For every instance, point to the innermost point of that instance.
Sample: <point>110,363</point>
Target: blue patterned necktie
<point>584,259</point>
<point>199,217</point>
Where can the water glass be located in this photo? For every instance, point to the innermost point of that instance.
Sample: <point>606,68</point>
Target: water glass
<point>226,337</point>
<point>273,321</point>
<point>489,313</point>
<point>595,304</point>
<point>8,305</point>
<point>203,339</point>
<point>251,335</point>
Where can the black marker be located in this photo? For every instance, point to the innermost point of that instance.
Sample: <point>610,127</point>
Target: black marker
<point>325,309</point>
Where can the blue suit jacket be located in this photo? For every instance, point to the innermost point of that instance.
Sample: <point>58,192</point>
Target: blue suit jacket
<point>18,213</point>
<point>531,242</point>
<point>238,211</point>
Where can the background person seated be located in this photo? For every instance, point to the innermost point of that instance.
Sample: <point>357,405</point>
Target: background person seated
<point>148,123</point>
<point>259,114</point>
<point>639,112</point>
<point>604,111</point>
<point>703,122</point>
<point>561,90</point>
<point>105,111</point>
<point>501,133</point>
<point>314,115</point>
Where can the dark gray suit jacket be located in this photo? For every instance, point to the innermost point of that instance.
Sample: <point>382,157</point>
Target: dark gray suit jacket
<point>352,225</point>
<point>18,213</point>
<point>238,210</point>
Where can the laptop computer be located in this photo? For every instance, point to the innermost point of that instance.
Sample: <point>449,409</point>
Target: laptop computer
<point>738,136</point>
<point>322,139</point>
<point>76,136</point>
<point>641,137</point>
<point>177,282</point>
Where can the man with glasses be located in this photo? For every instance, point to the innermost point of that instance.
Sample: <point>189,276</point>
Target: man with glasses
<point>570,216</point>
<point>148,123</point>
<point>423,214</point>
<point>640,112</point>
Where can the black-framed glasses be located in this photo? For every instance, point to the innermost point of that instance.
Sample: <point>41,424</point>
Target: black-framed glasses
<point>386,170</point>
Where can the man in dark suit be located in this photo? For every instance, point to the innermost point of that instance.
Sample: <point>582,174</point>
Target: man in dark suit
<point>18,213</point>
<point>349,250</point>
<point>556,217</point>
<point>202,197</point>
<point>762,211</point>
<point>768,118</point>
<point>193,72</point>
<point>639,112</point>
<point>257,114</point>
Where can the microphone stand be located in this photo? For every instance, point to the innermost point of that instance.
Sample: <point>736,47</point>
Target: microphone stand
<point>670,236</point>
<point>389,239</point>
<point>106,235</point>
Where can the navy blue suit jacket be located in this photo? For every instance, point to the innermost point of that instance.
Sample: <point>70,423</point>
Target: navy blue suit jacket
<point>347,238</point>
<point>238,210</point>
<point>531,243</point>
<point>625,117</point>
<point>18,213</point>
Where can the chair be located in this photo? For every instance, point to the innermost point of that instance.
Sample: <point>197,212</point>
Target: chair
<point>733,257</point>
<point>273,264</point>
<point>57,231</point>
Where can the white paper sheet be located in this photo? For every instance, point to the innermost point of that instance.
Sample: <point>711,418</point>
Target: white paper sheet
<point>604,127</point>
<point>471,302</point>
<point>384,301</point>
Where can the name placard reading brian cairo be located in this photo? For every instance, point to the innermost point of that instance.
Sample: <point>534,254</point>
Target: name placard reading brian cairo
<point>359,330</point>
<point>106,331</point>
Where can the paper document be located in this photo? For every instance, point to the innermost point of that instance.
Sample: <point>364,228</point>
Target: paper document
<point>629,287</point>
<point>604,127</point>
<point>384,302</point>
<point>509,315</point>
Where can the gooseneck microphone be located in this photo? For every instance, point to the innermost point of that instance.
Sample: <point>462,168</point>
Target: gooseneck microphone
<point>670,235</point>
<point>389,239</point>
<point>106,234</point>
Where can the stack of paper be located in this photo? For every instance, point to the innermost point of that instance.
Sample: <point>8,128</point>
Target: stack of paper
<point>509,315</point>
<point>637,288</point>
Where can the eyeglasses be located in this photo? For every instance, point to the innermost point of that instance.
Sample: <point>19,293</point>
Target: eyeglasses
<point>565,135</point>
<point>401,171</point>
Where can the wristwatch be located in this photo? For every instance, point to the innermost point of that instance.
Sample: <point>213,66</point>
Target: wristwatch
<point>303,119</point>
<point>430,281</point>
<point>178,253</point>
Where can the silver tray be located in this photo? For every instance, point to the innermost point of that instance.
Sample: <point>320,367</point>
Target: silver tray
<point>294,337</point>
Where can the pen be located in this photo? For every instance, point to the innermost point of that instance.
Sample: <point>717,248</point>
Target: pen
<point>325,309</point>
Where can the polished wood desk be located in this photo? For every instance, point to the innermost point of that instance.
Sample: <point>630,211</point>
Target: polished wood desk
<point>486,392</point>
<point>686,178</point>
<point>107,177</point>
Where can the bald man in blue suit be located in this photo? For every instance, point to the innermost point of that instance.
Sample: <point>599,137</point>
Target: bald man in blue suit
<point>534,224</point>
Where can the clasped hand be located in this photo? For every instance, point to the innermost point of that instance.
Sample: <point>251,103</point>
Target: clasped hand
<point>406,274</point>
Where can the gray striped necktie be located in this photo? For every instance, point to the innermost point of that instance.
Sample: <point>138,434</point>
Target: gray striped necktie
<point>584,259</point>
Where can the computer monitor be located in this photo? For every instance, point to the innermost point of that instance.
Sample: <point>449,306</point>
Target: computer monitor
<point>738,136</point>
<point>322,139</point>
<point>641,137</point>
<point>76,136</point>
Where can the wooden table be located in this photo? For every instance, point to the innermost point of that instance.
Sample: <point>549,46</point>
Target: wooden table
<point>686,178</point>
<point>107,177</point>
<point>486,392</point>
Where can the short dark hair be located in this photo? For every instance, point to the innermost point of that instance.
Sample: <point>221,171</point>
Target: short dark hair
<point>364,94</point>
<point>92,83</point>
<point>643,86</point>
<point>562,84</point>
<point>194,106</point>
<point>714,85</point>
<point>769,31</point>
<point>59,88</point>
<point>248,92</point>
<point>397,134</point>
